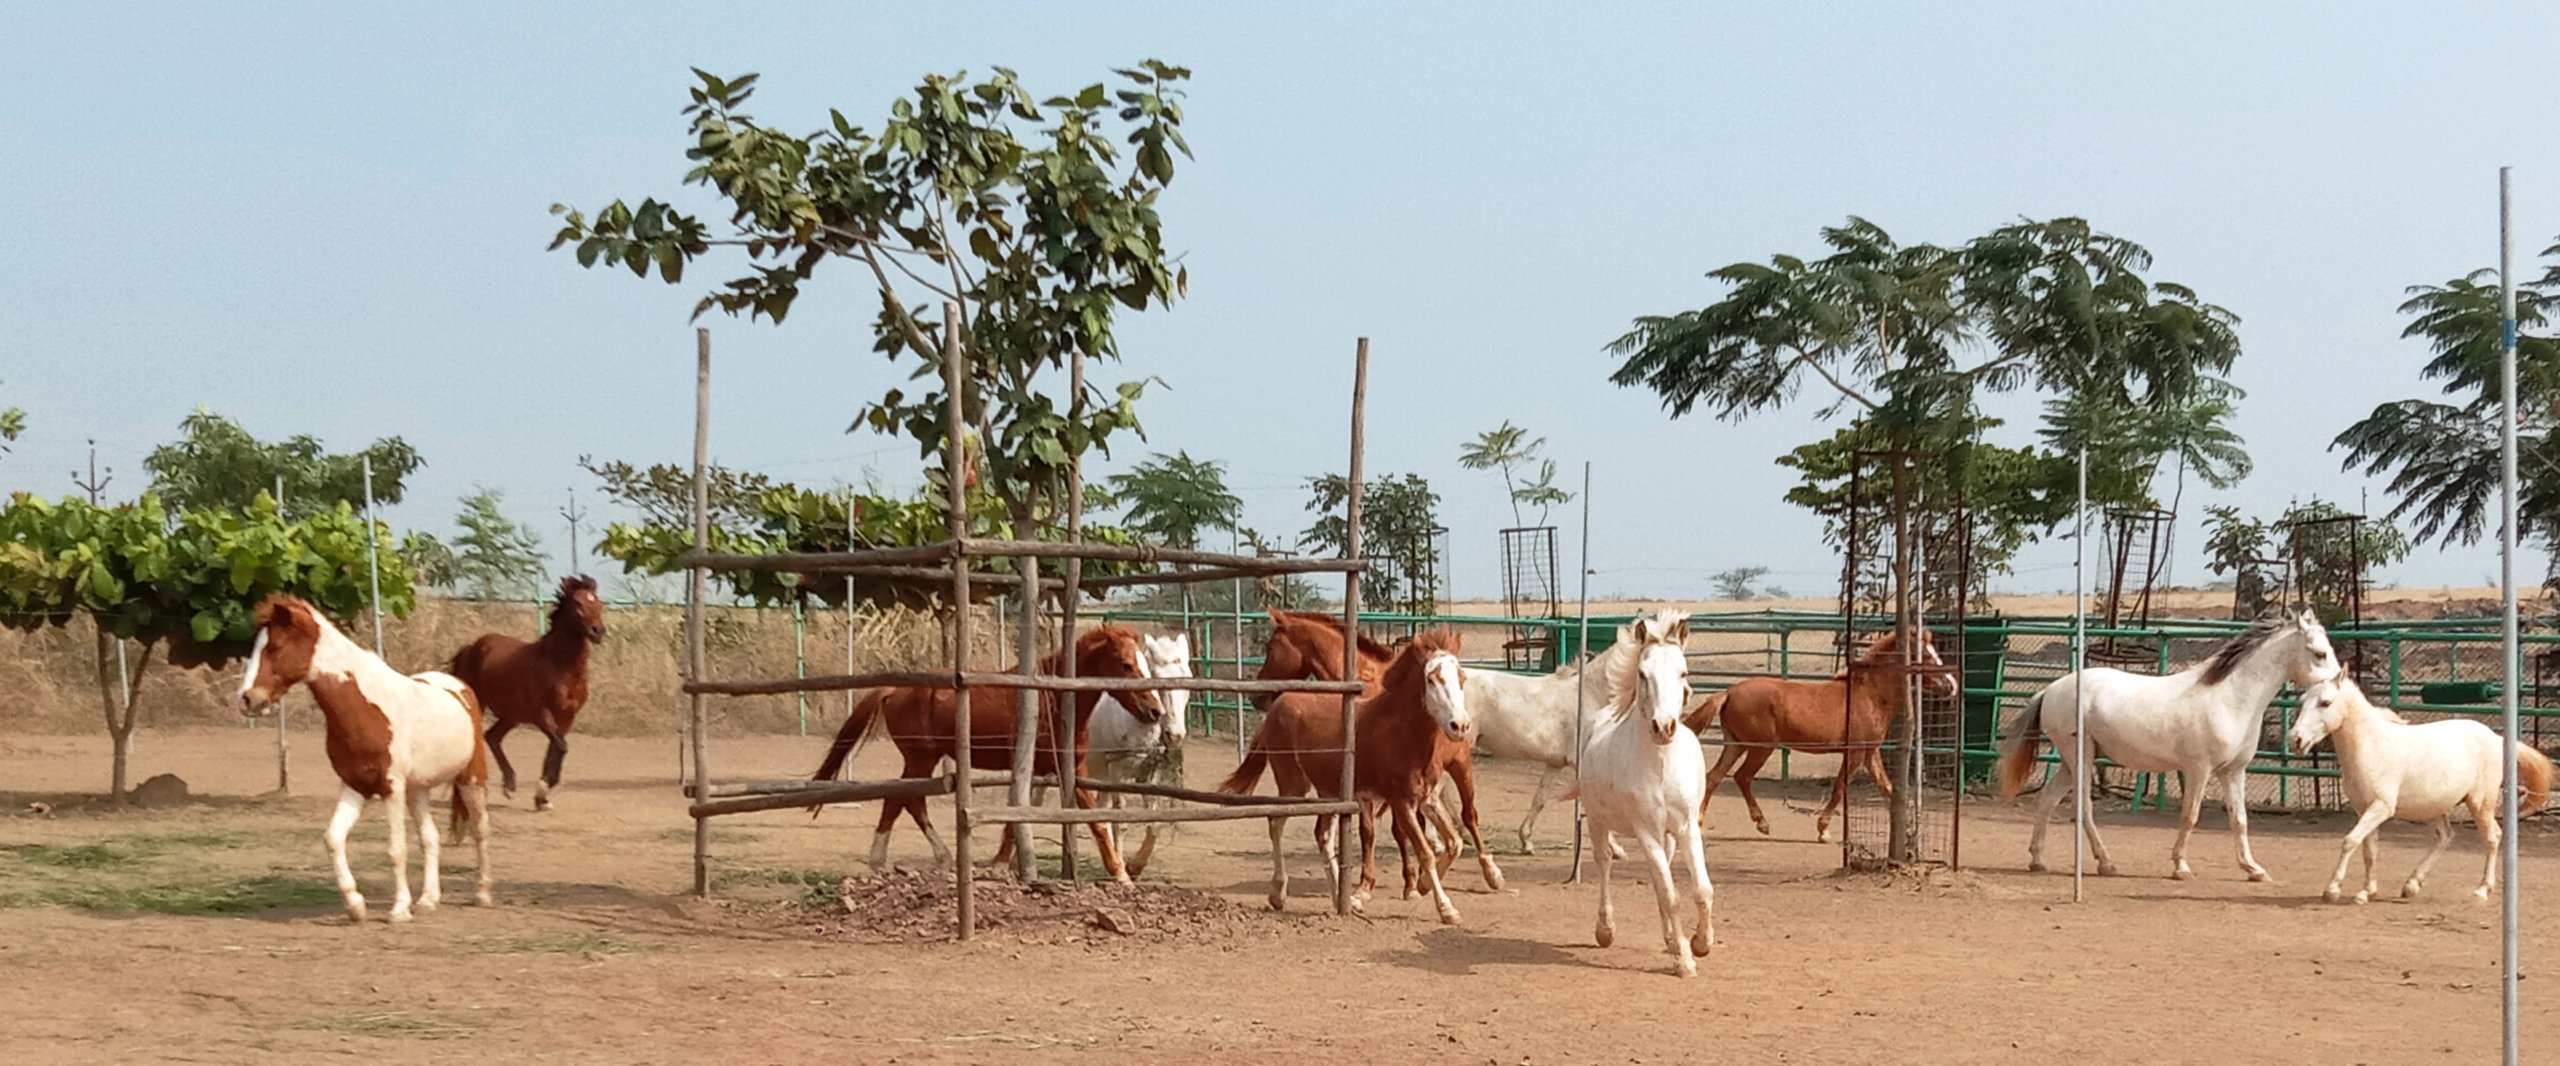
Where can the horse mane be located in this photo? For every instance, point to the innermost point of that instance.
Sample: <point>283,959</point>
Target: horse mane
<point>561,605</point>
<point>1626,679</point>
<point>2233,652</point>
<point>1369,648</point>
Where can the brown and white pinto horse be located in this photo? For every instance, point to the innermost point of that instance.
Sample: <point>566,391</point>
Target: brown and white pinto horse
<point>390,737</point>
<point>1420,701</point>
<point>921,723</point>
<point>1308,644</point>
<point>1847,715</point>
<point>541,683</point>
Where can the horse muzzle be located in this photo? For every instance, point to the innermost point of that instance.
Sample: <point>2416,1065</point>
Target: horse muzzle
<point>595,634</point>
<point>254,706</point>
<point>1665,732</point>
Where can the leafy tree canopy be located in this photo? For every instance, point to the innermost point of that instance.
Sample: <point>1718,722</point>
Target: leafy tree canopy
<point>1398,522</point>
<point>1172,499</point>
<point>216,463</point>
<point>1025,211</point>
<point>494,557</point>
<point>2443,456</point>
<point>1509,448</point>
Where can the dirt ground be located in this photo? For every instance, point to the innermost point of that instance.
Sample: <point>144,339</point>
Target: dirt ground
<point>596,953</point>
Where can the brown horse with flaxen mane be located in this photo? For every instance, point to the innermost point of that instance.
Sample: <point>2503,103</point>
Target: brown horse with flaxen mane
<point>541,683</point>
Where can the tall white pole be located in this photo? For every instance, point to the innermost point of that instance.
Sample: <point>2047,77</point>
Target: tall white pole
<point>852,542</point>
<point>2513,662</point>
<point>1582,648</point>
<point>373,556</point>
<point>2080,692</point>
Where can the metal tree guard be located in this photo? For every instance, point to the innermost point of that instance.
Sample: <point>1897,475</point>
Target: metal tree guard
<point>1908,563</point>
<point>1529,590</point>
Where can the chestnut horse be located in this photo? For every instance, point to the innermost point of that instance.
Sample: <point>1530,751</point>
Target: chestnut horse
<point>1847,716</point>
<point>390,737</point>
<point>1420,701</point>
<point>1308,644</point>
<point>921,721</point>
<point>541,684</point>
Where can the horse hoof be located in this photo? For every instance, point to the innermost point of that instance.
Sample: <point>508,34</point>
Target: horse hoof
<point>483,899</point>
<point>398,916</point>
<point>2329,894</point>
<point>1603,935</point>
<point>1278,902</point>
<point>2036,866</point>
<point>2181,874</point>
<point>542,803</point>
<point>2480,895</point>
<point>2261,876</point>
<point>428,903</point>
<point>1685,968</point>
<point>1700,944</point>
<point>1448,915</point>
<point>2409,891</point>
<point>1492,877</point>
<point>2362,898</point>
<point>2106,870</point>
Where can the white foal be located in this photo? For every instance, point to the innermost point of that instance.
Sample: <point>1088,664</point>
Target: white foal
<point>390,736</point>
<point>1643,777</point>
<point>2390,768</point>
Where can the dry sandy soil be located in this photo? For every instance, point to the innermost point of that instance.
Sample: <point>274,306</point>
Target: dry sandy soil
<point>597,954</point>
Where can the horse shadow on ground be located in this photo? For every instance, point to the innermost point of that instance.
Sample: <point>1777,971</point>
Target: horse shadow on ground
<point>1458,952</point>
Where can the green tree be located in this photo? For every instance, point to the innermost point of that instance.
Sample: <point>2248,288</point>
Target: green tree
<point>1737,583</point>
<point>1907,338</point>
<point>181,585</point>
<point>1023,211</point>
<point>494,557</point>
<point>13,422</point>
<point>2300,540</point>
<point>2237,545</point>
<point>217,463</point>
<point>430,559</point>
<point>1398,523</point>
<point>2193,434</point>
<point>2443,456</point>
<point>663,492</point>
<point>1508,448</point>
<point>1172,499</point>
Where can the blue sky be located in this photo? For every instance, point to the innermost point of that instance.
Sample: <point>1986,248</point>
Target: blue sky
<point>331,220</point>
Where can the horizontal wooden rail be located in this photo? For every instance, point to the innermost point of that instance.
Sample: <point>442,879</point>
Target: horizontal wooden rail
<point>1081,815</point>
<point>1195,795</point>
<point>843,792</point>
<point>984,678</point>
<point>1139,553</point>
<point>798,785</point>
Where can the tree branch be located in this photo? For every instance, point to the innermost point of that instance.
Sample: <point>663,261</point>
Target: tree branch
<point>897,308</point>
<point>1805,358</point>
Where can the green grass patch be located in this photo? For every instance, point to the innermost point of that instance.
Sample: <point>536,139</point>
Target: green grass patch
<point>1088,866</point>
<point>119,851</point>
<point>815,885</point>
<point>396,1024</point>
<point>239,895</point>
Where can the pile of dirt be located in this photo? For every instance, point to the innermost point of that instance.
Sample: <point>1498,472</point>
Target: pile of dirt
<point>914,905</point>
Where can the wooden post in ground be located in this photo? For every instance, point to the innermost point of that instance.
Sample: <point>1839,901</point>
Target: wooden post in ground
<point>1343,827</point>
<point>1069,767</point>
<point>955,481</point>
<point>693,597</point>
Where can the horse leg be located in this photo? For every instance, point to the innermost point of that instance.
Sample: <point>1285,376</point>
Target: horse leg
<point>2366,824</point>
<point>1279,868</point>
<point>1693,841</point>
<point>1408,823</point>
<point>2055,790</point>
<point>1726,756</point>
<point>1839,799</point>
<point>396,807</point>
<point>1605,931</point>
<point>1537,805</point>
<point>343,821</point>
<point>2418,878</point>
<point>1369,868</point>
<point>2485,816</point>
<point>551,760</point>
<point>1464,776</point>
<point>2190,808</point>
<point>431,844</point>
<point>480,842</point>
<point>2235,803</point>
<point>1751,764</point>
<point>496,737</point>
<point>1874,762</point>
<point>2372,858</point>
<point>1667,900</point>
<point>1404,855</point>
<point>1105,838</point>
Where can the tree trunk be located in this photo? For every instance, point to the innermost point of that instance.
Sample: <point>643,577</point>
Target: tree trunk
<point>115,698</point>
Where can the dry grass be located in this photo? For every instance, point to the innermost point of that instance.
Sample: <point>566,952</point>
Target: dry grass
<point>48,679</point>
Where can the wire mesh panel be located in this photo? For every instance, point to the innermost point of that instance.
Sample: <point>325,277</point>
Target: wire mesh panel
<point>1907,581</point>
<point>1529,590</point>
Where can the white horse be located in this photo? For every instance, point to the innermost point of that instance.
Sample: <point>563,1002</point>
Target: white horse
<point>1531,719</point>
<point>1643,776</point>
<point>2203,721</point>
<point>2390,768</point>
<point>1126,749</point>
<point>391,737</point>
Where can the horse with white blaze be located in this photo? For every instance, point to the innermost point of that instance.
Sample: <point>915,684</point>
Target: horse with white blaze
<point>1126,749</point>
<point>2391,768</point>
<point>1643,777</point>
<point>2203,721</point>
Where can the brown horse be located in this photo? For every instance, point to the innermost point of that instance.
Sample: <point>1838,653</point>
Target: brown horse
<point>1847,716</point>
<point>1308,644</point>
<point>1420,700</point>
<point>541,684</point>
<point>922,723</point>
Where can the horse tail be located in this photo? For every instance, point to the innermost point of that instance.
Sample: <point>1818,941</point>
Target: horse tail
<point>2018,750</point>
<point>466,662</point>
<point>857,725</point>
<point>1249,772</point>
<point>1704,714</point>
<point>471,786</point>
<point>2533,768</point>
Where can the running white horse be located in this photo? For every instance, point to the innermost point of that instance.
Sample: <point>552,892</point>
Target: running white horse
<point>391,736</point>
<point>2203,721</point>
<point>1530,718</point>
<point>1126,749</point>
<point>1643,776</point>
<point>2390,768</point>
